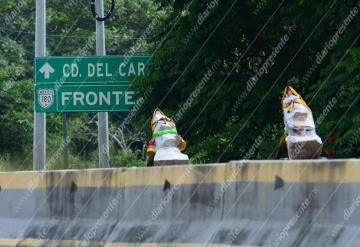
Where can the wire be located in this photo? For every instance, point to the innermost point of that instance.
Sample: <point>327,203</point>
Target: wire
<point>96,16</point>
<point>66,36</point>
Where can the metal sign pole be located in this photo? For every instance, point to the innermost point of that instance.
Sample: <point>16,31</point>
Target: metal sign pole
<point>103,129</point>
<point>39,142</point>
<point>65,141</point>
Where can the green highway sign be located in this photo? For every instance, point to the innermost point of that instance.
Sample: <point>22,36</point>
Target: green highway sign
<point>83,98</point>
<point>89,70</point>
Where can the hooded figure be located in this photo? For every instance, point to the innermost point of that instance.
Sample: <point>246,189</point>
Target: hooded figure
<point>302,142</point>
<point>166,145</point>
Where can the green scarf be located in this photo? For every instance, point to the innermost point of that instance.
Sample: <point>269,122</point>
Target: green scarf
<point>164,132</point>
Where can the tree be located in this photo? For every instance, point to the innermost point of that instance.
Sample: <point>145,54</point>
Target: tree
<point>237,112</point>
<point>70,31</point>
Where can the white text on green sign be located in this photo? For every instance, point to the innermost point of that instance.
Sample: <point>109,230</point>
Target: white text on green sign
<point>85,98</point>
<point>92,69</point>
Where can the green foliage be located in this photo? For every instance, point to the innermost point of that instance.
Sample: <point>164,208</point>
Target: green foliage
<point>214,130</point>
<point>343,119</point>
<point>126,158</point>
<point>217,126</point>
<point>15,116</point>
<point>70,31</point>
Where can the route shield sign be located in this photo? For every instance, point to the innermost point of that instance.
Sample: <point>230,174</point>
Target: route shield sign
<point>46,97</point>
<point>83,98</point>
<point>91,69</point>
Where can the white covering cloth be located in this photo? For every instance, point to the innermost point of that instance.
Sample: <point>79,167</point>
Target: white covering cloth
<point>169,153</point>
<point>166,144</point>
<point>302,141</point>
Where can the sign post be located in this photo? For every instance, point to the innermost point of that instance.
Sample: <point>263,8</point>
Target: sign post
<point>87,84</point>
<point>103,118</point>
<point>65,141</point>
<point>80,84</point>
<point>39,141</point>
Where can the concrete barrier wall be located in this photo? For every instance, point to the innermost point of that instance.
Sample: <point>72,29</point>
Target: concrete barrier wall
<point>252,203</point>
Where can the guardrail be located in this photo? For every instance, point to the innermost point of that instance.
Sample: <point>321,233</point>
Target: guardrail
<point>242,203</point>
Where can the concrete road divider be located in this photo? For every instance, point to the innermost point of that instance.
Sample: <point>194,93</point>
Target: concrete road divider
<point>241,203</point>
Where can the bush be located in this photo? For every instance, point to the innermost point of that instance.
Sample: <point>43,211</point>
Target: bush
<point>127,158</point>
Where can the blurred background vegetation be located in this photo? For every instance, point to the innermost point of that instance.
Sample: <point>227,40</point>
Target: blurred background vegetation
<point>240,34</point>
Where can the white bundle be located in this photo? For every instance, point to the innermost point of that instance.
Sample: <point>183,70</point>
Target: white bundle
<point>302,141</point>
<point>166,137</point>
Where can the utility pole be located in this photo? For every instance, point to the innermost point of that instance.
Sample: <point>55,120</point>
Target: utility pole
<point>65,140</point>
<point>103,119</point>
<point>39,141</point>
